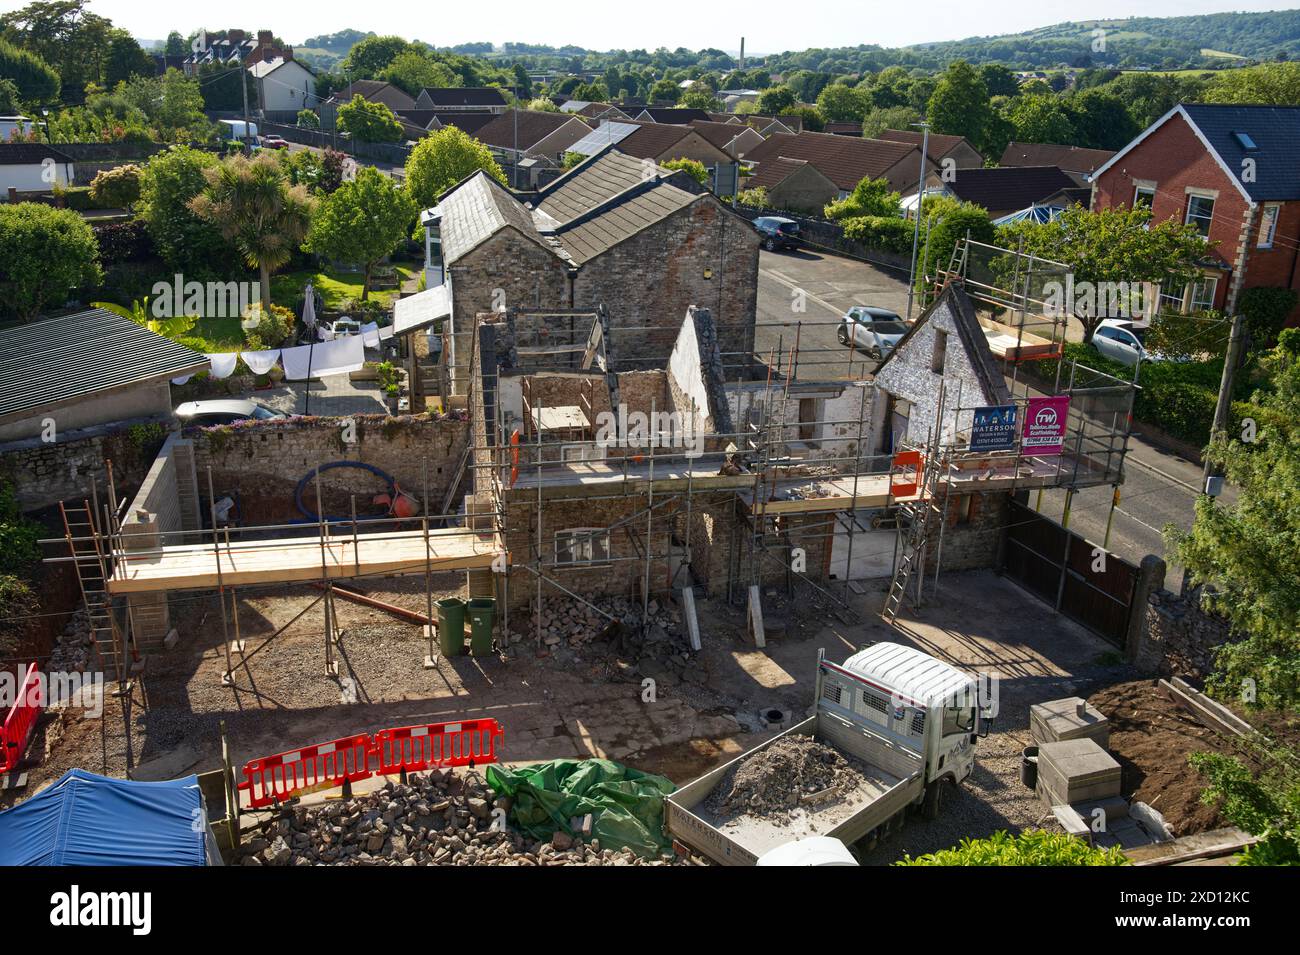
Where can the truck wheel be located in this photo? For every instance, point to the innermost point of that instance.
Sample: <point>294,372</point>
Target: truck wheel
<point>932,804</point>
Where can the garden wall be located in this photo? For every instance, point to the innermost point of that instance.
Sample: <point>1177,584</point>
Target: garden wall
<point>829,236</point>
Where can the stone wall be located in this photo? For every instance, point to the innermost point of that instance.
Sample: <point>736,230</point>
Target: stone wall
<point>260,463</point>
<point>703,255</point>
<point>974,525</point>
<point>1180,637</point>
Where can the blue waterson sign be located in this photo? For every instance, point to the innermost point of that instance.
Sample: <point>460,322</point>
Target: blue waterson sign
<point>994,429</point>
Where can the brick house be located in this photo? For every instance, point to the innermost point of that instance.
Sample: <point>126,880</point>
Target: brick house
<point>1229,170</point>
<point>841,160</point>
<point>612,232</point>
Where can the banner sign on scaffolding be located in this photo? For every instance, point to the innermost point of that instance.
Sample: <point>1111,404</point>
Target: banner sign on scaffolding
<point>993,429</point>
<point>1045,422</point>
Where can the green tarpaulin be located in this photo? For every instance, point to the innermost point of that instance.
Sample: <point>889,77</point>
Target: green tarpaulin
<point>627,806</point>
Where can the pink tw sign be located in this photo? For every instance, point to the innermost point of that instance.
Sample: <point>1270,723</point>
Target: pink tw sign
<point>1045,421</point>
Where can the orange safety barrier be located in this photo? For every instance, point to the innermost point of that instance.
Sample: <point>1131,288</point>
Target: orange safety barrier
<point>906,461</point>
<point>275,779</point>
<point>20,722</point>
<point>514,457</point>
<point>415,748</point>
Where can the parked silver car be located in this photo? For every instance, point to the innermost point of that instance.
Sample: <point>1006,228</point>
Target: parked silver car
<point>222,411</point>
<point>871,329</point>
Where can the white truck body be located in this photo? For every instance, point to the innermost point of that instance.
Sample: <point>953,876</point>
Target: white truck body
<point>907,720</point>
<point>238,129</point>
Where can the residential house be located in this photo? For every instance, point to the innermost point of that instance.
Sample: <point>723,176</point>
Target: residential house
<point>474,99</point>
<point>733,98</point>
<point>734,139</point>
<point>843,129</point>
<point>770,125</point>
<point>671,115</point>
<point>612,231</point>
<point>228,47</point>
<point>1078,162</point>
<point>941,147</point>
<point>374,91</point>
<point>33,167</point>
<point>593,111</point>
<point>432,119</point>
<point>13,126</point>
<point>1231,172</point>
<point>1002,189</point>
<point>793,184</point>
<point>519,134</point>
<point>284,86</point>
<point>842,161</point>
<point>657,143</point>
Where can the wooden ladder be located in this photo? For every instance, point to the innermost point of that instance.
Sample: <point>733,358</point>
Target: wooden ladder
<point>93,567</point>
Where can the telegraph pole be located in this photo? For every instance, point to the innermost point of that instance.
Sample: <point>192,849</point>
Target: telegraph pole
<point>1222,408</point>
<point>243,88</point>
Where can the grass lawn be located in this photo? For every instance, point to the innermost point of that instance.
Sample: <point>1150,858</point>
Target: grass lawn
<point>335,287</point>
<point>222,334</point>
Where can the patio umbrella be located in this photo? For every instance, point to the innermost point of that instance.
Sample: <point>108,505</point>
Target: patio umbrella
<point>309,307</point>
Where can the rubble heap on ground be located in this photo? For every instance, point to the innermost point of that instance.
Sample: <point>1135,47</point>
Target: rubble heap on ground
<point>72,653</point>
<point>793,770</point>
<point>437,818</point>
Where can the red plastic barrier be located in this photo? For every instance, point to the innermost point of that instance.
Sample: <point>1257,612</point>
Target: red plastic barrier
<point>416,748</point>
<point>21,720</point>
<point>276,778</point>
<point>905,462</point>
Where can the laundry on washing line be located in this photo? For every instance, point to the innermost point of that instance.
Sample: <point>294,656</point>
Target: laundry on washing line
<point>260,362</point>
<point>223,364</point>
<point>337,357</point>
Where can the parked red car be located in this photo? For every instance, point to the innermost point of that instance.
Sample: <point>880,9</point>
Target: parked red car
<point>274,142</point>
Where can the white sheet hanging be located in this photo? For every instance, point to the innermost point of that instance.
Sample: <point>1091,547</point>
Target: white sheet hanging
<point>223,364</point>
<point>370,334</point>
<point>260,362</point>
<point>181,380</point>
<point>386,333</point>
<point>338,357</point>
<point>324,334</point>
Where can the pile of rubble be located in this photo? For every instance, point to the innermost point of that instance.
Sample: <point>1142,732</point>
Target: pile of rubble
<point>569,622</point>
<point>73,652</point>
<point>438,818</point>
<point>794,770</point>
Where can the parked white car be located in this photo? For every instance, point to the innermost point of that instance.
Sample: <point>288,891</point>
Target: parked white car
<point>1120,340</point>
<point>873,330</point>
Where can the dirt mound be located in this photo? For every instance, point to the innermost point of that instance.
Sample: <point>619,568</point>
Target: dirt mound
<point>793,770</point>
<point>1151,738</point>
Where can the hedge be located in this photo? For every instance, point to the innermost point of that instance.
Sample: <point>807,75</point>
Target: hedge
<point>886,233</point>
<point>123,242</point>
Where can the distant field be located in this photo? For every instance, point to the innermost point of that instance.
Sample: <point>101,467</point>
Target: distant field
<point>1227,56</point>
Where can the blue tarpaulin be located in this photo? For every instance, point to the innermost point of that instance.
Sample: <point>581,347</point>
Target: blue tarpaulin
<point>85,819</point>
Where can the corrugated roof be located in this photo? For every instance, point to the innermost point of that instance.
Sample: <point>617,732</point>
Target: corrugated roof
<point>60,359</point>
<point>915,675</point>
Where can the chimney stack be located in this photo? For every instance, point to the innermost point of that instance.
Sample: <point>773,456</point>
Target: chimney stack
<point>742,54</point>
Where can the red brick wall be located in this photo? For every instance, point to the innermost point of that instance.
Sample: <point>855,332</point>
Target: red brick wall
<point>1174,158</point>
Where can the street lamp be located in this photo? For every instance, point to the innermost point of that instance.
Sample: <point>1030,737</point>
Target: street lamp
<point>916,229</point>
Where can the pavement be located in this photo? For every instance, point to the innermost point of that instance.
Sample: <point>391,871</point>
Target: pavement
<point>815,289</point>
<point>329,397</point>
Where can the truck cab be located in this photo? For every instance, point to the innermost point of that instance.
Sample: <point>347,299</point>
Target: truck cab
<point>917,702</point>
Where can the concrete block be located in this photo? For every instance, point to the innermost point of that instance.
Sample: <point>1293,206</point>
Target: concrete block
<point>1075,771</point>
<point>1069,718</point>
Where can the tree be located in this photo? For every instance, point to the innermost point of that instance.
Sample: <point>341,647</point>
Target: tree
<point>541,105</point>
<point>843,104</point>
<point>413,70</point>
<point>362,222</point>
<point>1101,120</point>
<point>10,104</point>
<point>370,56</point>
<point>35,80</point>
<point>959,105</point>
<point>117,188</point>
<point>692,167</point>
<point>256,211</point>
<point>1234,549</point>
<point>594,92</point>
<point>65,35</point>
<point>175,45</point>
<point>185,242</point>
<point>523,84</point>
<point>776,100</point>
<point>945,222</point>
<point>45,253</point>
<point>1040,119</point>
<point>444,158</point>
<point>999,80</point>
<point>699,96</point>
<point>1273,84</point>
<point>125,59</point>
<point>1114,246</point>
<point>870,197</point>
<point>369,122</point>
<point>173,104</point>
<point>307,119</point>
<point>664,91</point>
<point>880,119</point>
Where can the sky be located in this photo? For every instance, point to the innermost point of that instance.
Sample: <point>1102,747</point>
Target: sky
<point>769,26</point>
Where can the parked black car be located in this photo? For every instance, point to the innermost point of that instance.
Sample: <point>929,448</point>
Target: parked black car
<point>778,233</point>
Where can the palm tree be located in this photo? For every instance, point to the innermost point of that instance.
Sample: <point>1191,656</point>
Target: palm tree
<point>254,208</point>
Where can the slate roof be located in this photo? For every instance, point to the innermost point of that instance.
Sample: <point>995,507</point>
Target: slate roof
<point>466,120</point>
<point>1275,131</point>
<point>650,140</point>
<point>674,115</point>
<point>1070,158</point>
<point>974,342</point>
<point>843,160</point>
<point>1008,188</point>
<point>534,126</point>
<point>590,209</point>
<point>374,91</point>
<point>60,359</point>
<point>30,154</point>
<point>464,96</point>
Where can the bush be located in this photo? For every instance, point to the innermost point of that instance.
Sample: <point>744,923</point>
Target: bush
<point>307,119</point>
<point>117,188</point>
<point>1032,847</point>
<point>1265,309</point>
<point>123,242</point>
<point>753,198</point>
<point>272,326</point>
<point>884,233</point>
<point>45,254</point>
